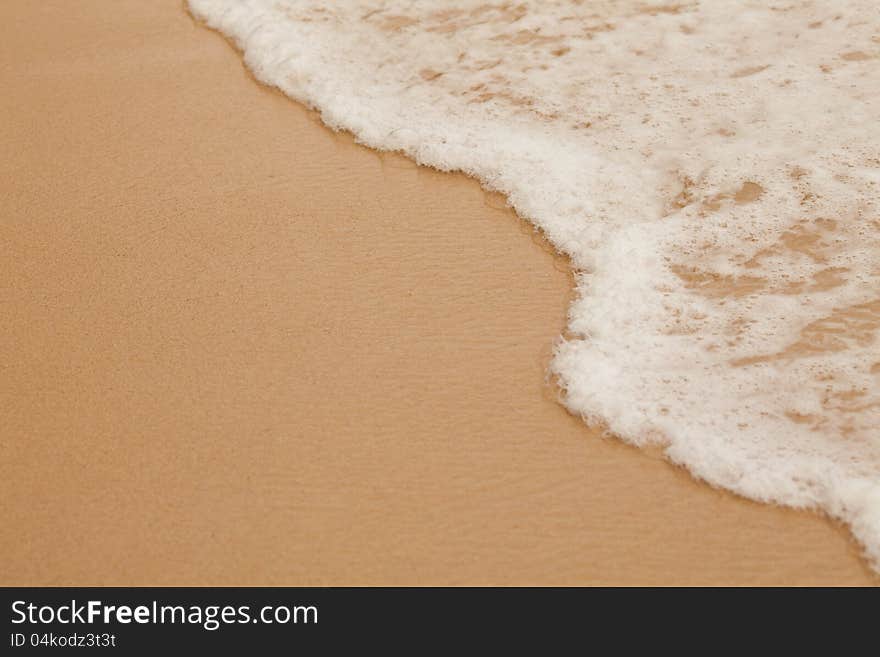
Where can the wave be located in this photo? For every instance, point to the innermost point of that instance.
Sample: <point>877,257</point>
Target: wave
<point>712,170</point>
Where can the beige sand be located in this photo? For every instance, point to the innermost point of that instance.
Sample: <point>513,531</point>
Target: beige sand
<point>240,349</point>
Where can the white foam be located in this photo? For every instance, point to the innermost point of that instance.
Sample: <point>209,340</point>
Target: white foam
<point>711,168</point>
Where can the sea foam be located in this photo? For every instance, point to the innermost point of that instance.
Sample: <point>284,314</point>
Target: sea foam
<point>711,168</point>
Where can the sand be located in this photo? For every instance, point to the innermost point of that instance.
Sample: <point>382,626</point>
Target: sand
<point>217,320</point>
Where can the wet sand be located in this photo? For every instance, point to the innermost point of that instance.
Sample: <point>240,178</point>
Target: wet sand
<point>241,349</point>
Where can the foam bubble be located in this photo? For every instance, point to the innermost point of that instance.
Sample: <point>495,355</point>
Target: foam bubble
<point>711,168</point>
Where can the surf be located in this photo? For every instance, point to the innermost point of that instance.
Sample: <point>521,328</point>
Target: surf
<point>712,170</point>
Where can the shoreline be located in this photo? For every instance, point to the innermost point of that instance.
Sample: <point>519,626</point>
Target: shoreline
<point>233,361</point>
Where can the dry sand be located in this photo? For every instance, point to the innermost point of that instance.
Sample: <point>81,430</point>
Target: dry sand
<point>241,349</point>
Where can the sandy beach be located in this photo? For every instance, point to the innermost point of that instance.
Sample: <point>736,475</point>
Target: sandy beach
<point>240,348</point>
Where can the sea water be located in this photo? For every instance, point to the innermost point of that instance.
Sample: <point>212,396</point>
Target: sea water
<point>712,170</point>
